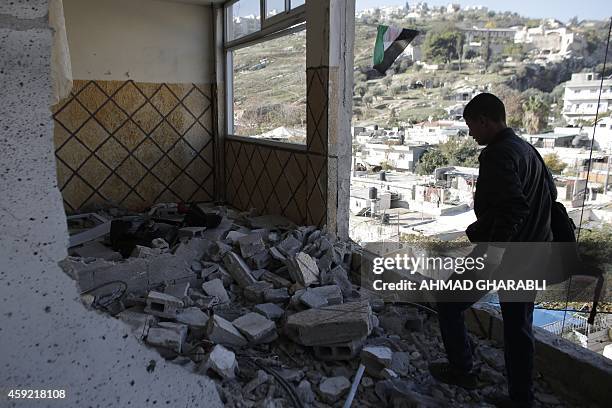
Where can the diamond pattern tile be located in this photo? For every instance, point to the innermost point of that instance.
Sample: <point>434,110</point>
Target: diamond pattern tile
<point>134,144</point>
<point>268,179</point>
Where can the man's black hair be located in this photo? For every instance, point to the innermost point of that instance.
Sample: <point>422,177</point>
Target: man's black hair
<point>487,105</point>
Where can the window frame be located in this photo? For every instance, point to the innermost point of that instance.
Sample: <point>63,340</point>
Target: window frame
<point>288,22</point>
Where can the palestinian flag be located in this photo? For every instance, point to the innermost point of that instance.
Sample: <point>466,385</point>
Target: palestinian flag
<point>390,43</point>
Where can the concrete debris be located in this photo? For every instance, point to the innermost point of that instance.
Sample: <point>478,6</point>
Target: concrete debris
<point>270,222</point>
<point>303,269</point>
<point>339,277</point>
<point>376,359</point>
<point>223,362</point>
<point>304,392</point>
<point>234,236</point>
<point>312,300</point>
<point>260,260</point>
<point>238,269</point>
<point>191,232</point>
<point>146,252</point>
<point>289,247</point>
<point>331,293</point>
<point>276,280</point>
<point>399,393</point>
<point>333,388</point>
<point>251,245</point>
<point>255,292</point>
<point>401,363</point>
<point>258,273</point>
<point>276,254</point>
<point>330,324</point>
<point>192,316</point>
<point>215,288</point>
<point>179,290</point>
<point>163,305</point>
<point>224,332</point>
<point>168,335</point>
<point>256,328</point>
<point>160,243</point>
<point>269,310</point>
<point>339,351</point>
<point>140,323</point>
<point>261,378</point>
<point>280,295</point>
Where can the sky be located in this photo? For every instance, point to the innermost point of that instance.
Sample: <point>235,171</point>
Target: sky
<point>560,9</point>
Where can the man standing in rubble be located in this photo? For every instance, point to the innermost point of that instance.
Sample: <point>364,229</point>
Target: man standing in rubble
<point>512,203</point>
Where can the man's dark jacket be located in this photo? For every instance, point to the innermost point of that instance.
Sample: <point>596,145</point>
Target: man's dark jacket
<point>514,193</point>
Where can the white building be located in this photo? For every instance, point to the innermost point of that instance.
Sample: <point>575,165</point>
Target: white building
<point>581,96</point>
<point>436,132</point>
<point>360,201</point>
<point>551,44</point>
<point>401,157</point>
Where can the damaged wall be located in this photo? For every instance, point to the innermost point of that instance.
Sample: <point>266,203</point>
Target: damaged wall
<point>49,340</point>
<point>137,128</point>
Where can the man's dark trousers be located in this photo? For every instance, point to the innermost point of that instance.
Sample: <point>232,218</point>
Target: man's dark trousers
<point>518,343</point>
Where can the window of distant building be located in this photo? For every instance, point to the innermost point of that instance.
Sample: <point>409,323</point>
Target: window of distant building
<point>266,69</point>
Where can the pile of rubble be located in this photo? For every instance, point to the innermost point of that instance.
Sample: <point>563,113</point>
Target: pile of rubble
<point>265,308</point>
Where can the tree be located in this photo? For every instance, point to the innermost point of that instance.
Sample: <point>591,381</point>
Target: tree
<point>430,160</point>
<point>513,101</point>
<point>554,163</point>
<point>536,114</point>
<point>441,44</point>
<point>460,152</point>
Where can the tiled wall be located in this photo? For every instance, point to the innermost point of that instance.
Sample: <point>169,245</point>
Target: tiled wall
<point>270,179</point>
<point>134,144</point>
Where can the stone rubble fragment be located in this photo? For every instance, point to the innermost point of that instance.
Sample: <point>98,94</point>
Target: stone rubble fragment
<point>238,269</point>
<point>163,305</point>
<point>269,310</point>
<point>224,332</point>
<point>280,295</point>
<point>192,316</point>
<point>223,362</point>
<point>304,392</point>
<point>255,292</point>
<point>376,359</point>
<point>330,324</point>
<point>331,389</point>
<point>303,269</point>
<point>215,288</point>
<point>312,300</point>
<point>179,291</point>
<point>256,328</point>
<point>168,335</point>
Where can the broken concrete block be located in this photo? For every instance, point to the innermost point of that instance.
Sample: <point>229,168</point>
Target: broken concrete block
<point>401,363</point>
<point>223,362</point>
<point>251,245</point>
<point>339,277</point>
<point>260,260</point>
<point>191,232</point>
<point>255,292</point>
<point>269,310</point>
<point>311,299</point>
<point>256,328</point>
<point>238,269</point>
<point>220,273</point>
<point>303,269</point>
<point>180,290</point>
<point>140,323</point>
<point>332,388</point>
<point>289,246</point>
<point>331,293</point>
<point>340,351</point>
<point>192,316</point>
<point>224,332</point>
<point>304,392</point>
<point>261,378</point>
<point>280,295</point>
<point>160,243</point>
<point>258,273</point>
<point>274,279</point>
<point>215,288</point>
<point>163,305</point>
<point>376,359</point>
<point>330,324</point>
<point>215,234</point>
<point>276,254</point>
<point>145,252</point>
<point>270,222</point>
<point>218,251</point>
<point>233,236</point>
<point>168,335</point>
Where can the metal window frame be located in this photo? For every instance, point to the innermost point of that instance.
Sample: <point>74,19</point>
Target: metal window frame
<point>282,24</point>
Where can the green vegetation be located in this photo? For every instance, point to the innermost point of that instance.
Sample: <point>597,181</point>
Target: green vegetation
<point>554,163</point>
<point>455,152</point>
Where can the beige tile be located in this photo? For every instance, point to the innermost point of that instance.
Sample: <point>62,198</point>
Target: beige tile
<point>92,134</point>
<point>111,117</point>
<point>129,98</point>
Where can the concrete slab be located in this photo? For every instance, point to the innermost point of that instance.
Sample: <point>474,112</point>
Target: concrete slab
<point>256,328</point>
